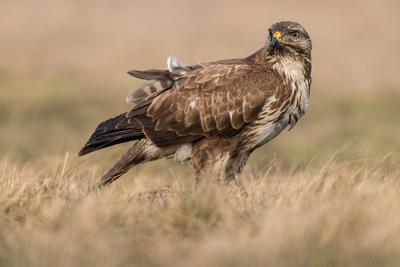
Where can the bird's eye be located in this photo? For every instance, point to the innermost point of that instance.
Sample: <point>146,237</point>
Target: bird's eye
<point>295,34</point>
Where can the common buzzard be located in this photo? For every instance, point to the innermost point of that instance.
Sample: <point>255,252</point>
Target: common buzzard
<point>215,114</point>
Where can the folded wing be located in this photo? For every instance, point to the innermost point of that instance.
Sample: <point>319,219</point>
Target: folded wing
<point>214,100</point>
<point>183,104</point>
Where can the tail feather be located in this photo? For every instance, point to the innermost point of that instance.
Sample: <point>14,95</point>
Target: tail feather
<point>176,69</point>
<point>111,132</point>
<point>153,74</point>
<point>147,90</point>
<point>134,156</point>
<point>158,79</point>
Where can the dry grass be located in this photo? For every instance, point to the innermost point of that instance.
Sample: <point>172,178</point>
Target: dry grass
<point>342,214</point>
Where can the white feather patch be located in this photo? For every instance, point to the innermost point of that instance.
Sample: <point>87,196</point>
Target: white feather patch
<point>174,63</point>
<point>294,72</point>
<point>184,152</point>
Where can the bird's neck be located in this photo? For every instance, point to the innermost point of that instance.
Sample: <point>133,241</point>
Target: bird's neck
<point>281,62</point>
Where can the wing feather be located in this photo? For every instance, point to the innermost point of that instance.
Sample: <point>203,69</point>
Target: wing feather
<point>215,100</point>
<point>186,103</point>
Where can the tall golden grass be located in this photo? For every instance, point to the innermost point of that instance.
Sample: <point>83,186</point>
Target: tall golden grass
<point>339,214</point>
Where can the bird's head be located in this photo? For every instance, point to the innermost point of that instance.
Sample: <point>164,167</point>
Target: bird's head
<point>288,38</point>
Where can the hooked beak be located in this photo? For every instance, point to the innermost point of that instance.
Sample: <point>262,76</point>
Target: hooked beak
<point>276,39</point>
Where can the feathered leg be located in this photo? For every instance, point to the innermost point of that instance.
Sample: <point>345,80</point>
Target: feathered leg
<point>211,157</point>
<point>234,168</point>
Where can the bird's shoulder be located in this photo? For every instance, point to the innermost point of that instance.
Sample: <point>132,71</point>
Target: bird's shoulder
<point>210,76</point>
<point>227,72</point>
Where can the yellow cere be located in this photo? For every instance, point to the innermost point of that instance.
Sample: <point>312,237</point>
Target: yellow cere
<point>277,35</point>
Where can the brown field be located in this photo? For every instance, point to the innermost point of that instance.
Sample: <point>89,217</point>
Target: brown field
<point>327,193</point>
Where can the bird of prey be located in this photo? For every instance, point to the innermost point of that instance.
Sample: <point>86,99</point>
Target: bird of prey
<point>214,114</point>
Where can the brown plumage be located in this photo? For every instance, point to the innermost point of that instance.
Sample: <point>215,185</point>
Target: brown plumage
<point>217,113</point>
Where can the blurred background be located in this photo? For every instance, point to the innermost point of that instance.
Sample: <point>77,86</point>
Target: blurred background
<point>63,64</point>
